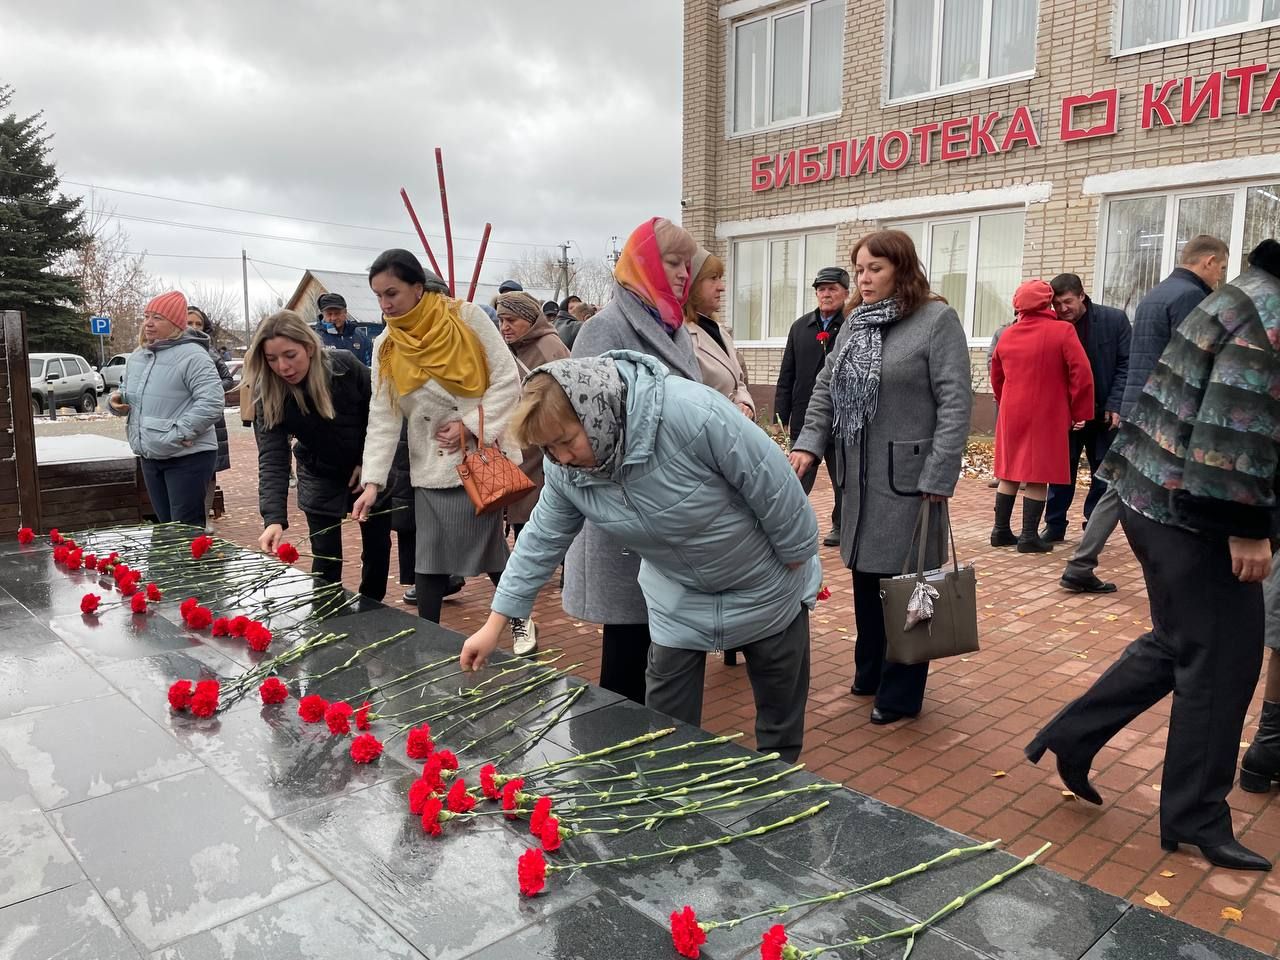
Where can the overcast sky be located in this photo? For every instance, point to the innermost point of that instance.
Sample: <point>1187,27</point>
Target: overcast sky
<point>559,119</point>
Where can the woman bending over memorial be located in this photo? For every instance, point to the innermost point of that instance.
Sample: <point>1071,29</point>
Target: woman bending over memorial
<point>438,364</point>
<point>727,541</point>
<point>172,396</point>
<point>320,399</point>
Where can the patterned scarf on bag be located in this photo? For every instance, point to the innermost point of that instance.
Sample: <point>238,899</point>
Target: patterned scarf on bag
<point>598,396</point>
<point>855,379</point>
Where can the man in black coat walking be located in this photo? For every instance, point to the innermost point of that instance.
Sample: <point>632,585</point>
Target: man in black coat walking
<point>1104,333</point>
<point>808,343</point>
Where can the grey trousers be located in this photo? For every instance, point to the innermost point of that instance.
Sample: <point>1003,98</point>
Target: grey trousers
<point>778,668</point>
<point>1102,523</point>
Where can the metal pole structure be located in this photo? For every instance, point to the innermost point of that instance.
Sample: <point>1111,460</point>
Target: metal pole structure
<point>404,195</point>
<point>244,275</point>
<point>475,274</point>
<point>564,266</point>
<point>444,207</point>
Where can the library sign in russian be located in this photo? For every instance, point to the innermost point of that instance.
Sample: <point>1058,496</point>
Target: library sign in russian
<point>1168,103</point>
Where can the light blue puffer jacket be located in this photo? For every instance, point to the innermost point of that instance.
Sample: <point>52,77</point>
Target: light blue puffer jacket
<point>174,394</point>
<point>705,498</point>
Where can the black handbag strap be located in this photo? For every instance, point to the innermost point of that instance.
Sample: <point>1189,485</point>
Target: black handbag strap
<point>921,535</point>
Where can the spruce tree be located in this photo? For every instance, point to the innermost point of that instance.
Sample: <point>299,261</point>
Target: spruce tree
<point>38,227</point>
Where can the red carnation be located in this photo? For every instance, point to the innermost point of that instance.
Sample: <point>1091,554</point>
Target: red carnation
<point>431,816</point>
<point>153,593</point>
<point>71,544</point>
<point>311,708</point>
<point>773,945</point>
<point>337,716</point>
<point>823,336</point>
<point>531,869</point>
<point>448,761</point>
<point>89,602</point>
<point>459,800</point>
<point>541,810</point>
<point>287,552</point>
<point>240,626</point>
<point>54,536</point>
<point>365,748</point>
<point>129,587</point>
<point>138,604</point>
<point>104,564</point>
<point>362,716</point>
<point>824,593</point>
<point>511,797</point>
<point>431,774</point>
<point>419,793</point>
<point>686,933</point>
<point>90,561</point>
<point>420,744</point>
<point>185,607</point>
<point>180,695</point>
<point>204,702</point>
<point>74,558</point>
<point>60,553</point>
<point>487,784</point>
<point>26,535</point>
<point>222,627</point>
<point>120,571</point>
<point>550,834</point>
<point>258,636</point>
<point>273,691</point>
<point>200,546</point>
<point>199,618</point>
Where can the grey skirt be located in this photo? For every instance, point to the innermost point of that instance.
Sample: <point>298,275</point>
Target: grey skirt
<point>452,539</point>
<point>1271,598</point>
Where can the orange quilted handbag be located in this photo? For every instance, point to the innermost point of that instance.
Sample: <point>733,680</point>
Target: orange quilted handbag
<point>490,479</point>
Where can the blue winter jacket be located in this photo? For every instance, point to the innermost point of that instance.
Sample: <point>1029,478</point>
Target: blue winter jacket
<point>174,394</point>
<point>1107,345</point>
<point>704,497</point>
<point>1164,307</point>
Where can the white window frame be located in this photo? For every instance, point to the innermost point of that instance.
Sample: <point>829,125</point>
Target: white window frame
<point>1185,34</point>
<point>731,63</point>
<point>973,218</point>
<point>1239,191</point>
<point>804,272</point>
<point>935,90</point>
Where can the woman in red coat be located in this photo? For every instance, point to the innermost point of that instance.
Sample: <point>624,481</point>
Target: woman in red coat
<point>1042,381</point>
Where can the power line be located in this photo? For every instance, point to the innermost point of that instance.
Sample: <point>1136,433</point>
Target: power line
<point>264,279</point>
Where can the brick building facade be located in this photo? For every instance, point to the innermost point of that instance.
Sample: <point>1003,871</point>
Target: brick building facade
<point>1011,138</point>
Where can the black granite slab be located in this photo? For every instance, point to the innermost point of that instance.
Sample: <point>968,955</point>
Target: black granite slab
<point>182,855</point>
<point>1144,935</point>
<point>44,676</point>
<point>68,924</point>
<point>33,858</point>
<point>146,683</point>
<point>327,923</point>
<point>19,631</point>
<point>119,634</point>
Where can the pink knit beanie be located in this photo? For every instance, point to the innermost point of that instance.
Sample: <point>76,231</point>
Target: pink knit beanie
<point>172,306</point>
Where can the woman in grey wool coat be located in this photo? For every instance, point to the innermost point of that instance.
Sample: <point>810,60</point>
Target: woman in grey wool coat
<point>897,392</point>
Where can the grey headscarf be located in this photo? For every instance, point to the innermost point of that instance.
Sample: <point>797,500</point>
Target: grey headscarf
<point>855,379</point>
<point>598,396</point>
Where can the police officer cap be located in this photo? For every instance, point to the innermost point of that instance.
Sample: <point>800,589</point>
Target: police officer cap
<point>327,300</point>
<point>832,275</point>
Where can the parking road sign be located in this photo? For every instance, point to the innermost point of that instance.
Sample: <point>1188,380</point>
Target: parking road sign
<point>100,326</point>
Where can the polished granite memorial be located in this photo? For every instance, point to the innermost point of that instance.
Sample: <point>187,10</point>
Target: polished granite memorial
<point>130,830</point>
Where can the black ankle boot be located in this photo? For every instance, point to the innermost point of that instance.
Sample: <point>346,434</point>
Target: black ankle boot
<point>1030,542</point>
<point>1002,534</point>
<point>1261,763</point>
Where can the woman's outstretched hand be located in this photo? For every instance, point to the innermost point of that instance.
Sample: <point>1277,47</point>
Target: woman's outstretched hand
<point>271,538</point>
<point>801,461</point>
<point>479,647</point>
<point>364,503</point>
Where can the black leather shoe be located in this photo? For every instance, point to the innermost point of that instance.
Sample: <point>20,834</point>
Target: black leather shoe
<point>1075,777</point>
<point>832,539</point>
<point>1050,535</point>
<point>455,586</point>
<point>1081,585</point>
<point>1232,856</point>
<point>881,717</point>
<point>860,691</point>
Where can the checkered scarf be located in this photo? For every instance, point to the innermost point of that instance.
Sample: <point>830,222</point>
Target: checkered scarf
<point>855,378</point>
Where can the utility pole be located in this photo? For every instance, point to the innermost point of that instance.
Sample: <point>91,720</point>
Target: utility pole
<point>565,263</point>
<point>244,273</point>
<point>616,254</point>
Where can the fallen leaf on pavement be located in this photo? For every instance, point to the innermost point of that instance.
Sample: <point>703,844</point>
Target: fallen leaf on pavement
<point>1155,900</point>
<point>1068,794</point>
<point>1167,874</point>
<point>999,773</point>
<point>1231,913</point>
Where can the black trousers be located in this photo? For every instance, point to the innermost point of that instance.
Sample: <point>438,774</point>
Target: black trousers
<point>778,668</point>
<point>1094,440</point>
<point>624,657</point>
<point>1205,647</point>
<point>899,686</point>
<point>176,486</point>
<point>811,476</point>
<point>375,552</point>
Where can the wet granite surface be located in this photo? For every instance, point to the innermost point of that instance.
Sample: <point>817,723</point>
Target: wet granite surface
<point>130,831</point>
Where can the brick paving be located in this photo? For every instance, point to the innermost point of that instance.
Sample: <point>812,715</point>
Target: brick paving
<point>960,762</point>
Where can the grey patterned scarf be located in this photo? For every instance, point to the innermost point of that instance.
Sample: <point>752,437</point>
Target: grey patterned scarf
<point>598,396</point>
<point>855,379</point>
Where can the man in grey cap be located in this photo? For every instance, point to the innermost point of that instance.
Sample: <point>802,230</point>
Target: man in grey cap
<point>510,286</point>
<point>811,338</point>
<point>337,332</point>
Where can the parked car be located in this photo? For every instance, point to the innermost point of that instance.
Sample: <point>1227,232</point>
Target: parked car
<point>73,382</point>
<point>114,370</point>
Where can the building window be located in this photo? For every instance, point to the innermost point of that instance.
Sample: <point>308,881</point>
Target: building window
<point>1142,237</point>
<point>1145,23</point>
<point>786,65</point>
<point>975,263</point>
<point>938,45</point>
<point>771,278</point>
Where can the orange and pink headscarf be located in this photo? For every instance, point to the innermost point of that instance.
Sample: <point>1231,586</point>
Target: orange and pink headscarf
<point>640,268</point>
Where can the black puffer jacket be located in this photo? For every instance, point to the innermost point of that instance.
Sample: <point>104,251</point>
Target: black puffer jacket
<point>220,428</point>
<point>1166,305</point>
<point>326,451</point>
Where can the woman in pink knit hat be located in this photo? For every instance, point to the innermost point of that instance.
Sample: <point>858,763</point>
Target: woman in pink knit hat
<point>172,396</point>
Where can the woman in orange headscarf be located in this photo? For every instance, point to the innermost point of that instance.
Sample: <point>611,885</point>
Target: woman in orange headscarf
<point>437,364</point>
<point>646,315</point>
